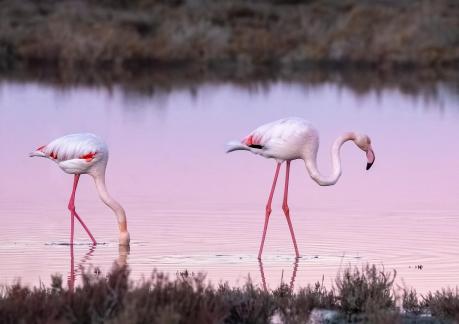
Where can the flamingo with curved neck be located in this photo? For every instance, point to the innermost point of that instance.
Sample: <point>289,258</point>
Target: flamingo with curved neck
<point>85,154</point>
<point>294,138</point>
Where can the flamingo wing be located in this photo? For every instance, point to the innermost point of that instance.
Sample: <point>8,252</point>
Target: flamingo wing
<point>74,146</point>
<point>279,133</point>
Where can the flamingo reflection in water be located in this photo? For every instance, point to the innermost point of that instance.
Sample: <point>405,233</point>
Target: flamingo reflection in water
<point>292,279</point>
<point>73,272</point>
<point>121,261</point>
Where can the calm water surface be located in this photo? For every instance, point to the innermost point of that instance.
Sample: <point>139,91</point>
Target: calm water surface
<point>191,206</point>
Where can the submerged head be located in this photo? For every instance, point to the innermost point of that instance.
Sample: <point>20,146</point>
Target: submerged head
<point>364,143</point>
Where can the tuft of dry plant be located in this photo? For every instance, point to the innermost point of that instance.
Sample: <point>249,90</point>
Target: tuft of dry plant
<point>443,304</point>
<point>366,290</point>
<point>297,307</point>
<point>360,296</point>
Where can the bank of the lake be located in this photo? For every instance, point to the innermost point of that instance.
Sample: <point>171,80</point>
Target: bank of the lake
<point>125,34</point>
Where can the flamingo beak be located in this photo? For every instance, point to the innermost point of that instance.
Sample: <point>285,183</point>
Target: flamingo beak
<point>370,158</point>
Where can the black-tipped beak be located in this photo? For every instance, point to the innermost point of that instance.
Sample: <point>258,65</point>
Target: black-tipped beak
<point>371,158</point>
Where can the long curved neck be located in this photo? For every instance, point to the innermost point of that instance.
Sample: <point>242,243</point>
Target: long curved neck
<point>310,160</point>
<point>99,179</point>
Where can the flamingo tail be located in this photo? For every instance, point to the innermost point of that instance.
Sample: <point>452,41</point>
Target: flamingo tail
<point>236,146</point>
<point>37,153</point>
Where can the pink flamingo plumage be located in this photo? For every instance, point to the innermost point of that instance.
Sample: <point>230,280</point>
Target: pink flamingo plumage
<point>291,139</point>
<point>85,154</point>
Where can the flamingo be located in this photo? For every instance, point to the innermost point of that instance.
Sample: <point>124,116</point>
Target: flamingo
<point>290,139</point>
<point>84,154</point>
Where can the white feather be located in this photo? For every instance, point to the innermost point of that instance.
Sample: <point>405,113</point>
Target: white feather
<point>282,139</point>
<point>68,152</point>
<point>74,146</point>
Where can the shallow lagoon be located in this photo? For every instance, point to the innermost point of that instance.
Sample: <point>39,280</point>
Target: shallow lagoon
<point>191,206</point>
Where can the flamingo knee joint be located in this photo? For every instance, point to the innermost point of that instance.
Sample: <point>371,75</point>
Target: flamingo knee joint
<point>285,209</point>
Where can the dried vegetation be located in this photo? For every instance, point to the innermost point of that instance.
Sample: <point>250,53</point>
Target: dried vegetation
<point>363,295</point>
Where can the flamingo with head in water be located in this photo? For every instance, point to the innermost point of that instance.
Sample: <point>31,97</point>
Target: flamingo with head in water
<point>291,139</point>
<point>85,154</point>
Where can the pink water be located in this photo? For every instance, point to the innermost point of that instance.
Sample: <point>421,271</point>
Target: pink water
<point>191,206</point>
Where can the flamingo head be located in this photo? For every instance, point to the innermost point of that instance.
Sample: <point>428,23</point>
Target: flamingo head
<point>364,143</point>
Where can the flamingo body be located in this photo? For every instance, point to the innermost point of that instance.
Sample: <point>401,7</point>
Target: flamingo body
<point>76,153</point>
<point>281,140</point>
<point>84,154</point>
<point>290,139</point>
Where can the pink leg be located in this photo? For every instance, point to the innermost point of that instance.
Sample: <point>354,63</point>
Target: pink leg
<point>287,210</point>
<point>72,218</point>
<point>72,227</point>
<point>268,210</point>
<point>85,227</point>
<point>74,213</point>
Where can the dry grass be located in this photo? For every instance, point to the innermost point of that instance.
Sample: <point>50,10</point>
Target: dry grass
<point>360,296</point>
<point>122,33</point>
<point>442,304</point>
<point>297,307</point>
<point>366,290</point>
